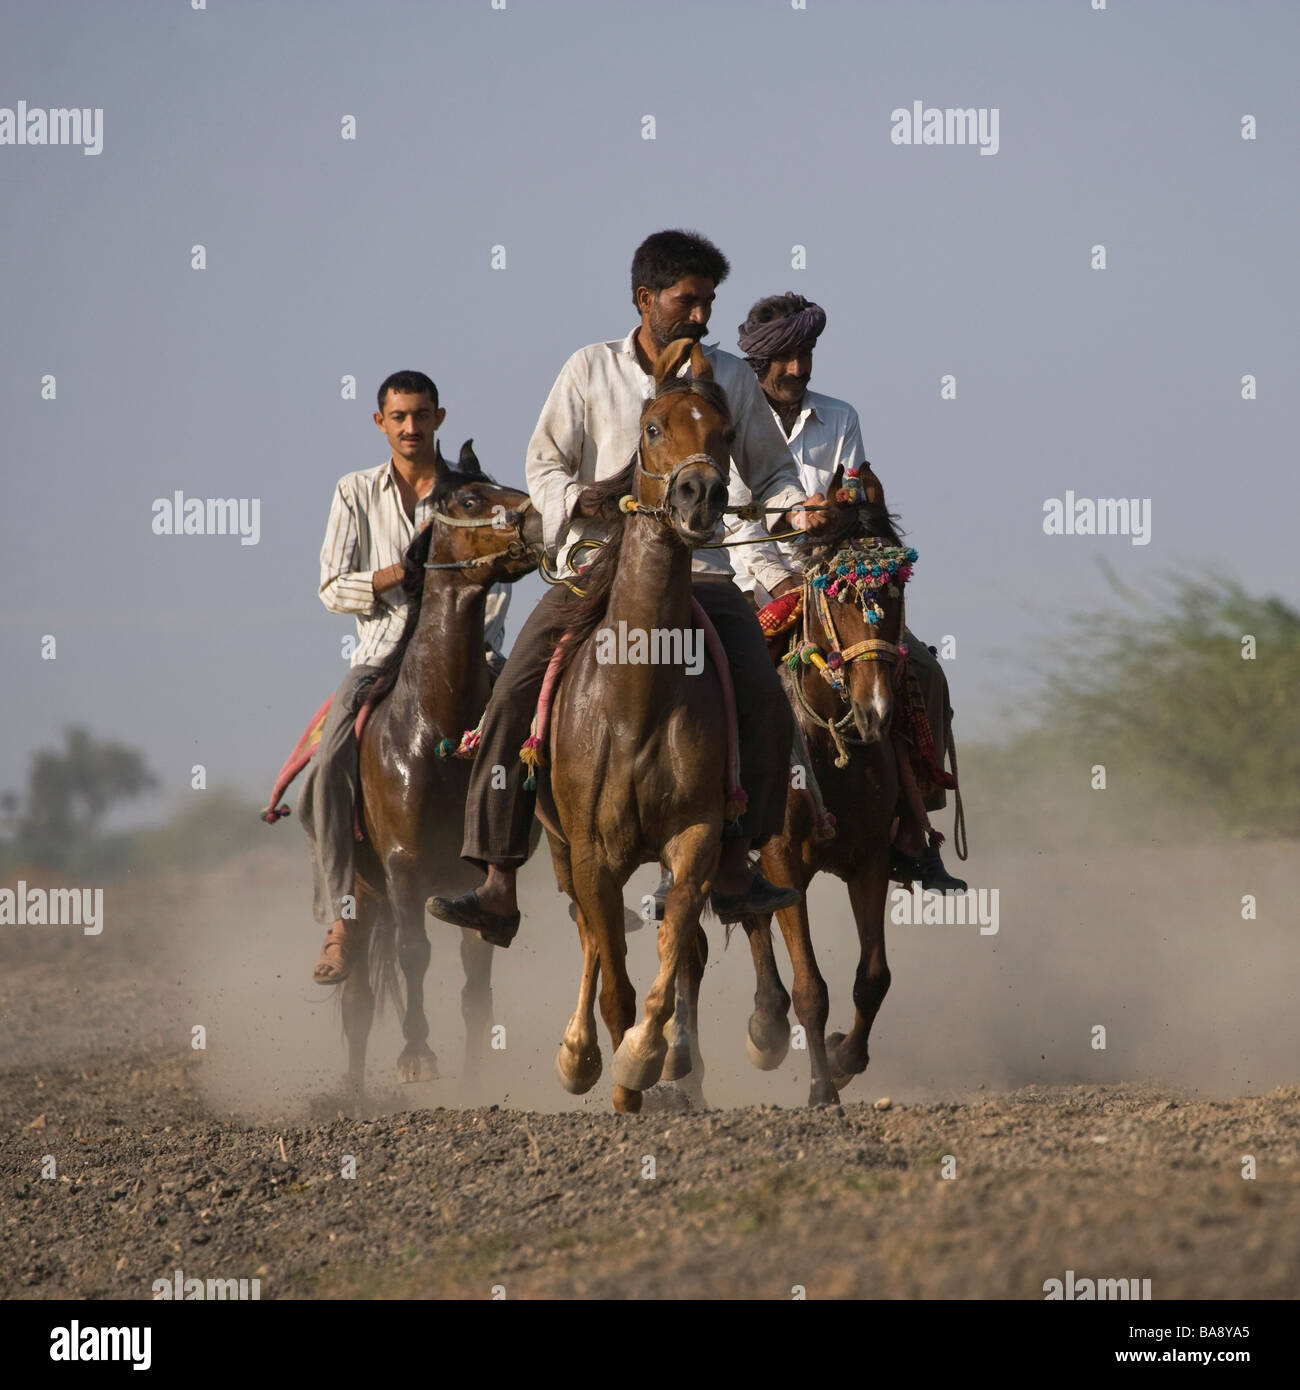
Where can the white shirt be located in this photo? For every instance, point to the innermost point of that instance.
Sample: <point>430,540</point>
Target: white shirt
<point>368,530</point>
<point>590,426</point>
<point>826,436</point>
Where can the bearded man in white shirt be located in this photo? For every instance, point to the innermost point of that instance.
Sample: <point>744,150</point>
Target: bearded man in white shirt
<point>588,431</point>
<point>373,518</point>
<point>778,338</point>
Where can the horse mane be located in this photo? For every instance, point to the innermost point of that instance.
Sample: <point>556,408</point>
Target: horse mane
<point>581,614</point>
<point>413,562</point>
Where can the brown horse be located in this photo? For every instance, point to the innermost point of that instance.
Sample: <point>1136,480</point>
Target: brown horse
<point>432,688</point>
<point>639,751</point>
<point>845,726</point>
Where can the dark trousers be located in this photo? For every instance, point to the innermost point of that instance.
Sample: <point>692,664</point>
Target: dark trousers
<point>498,810</point>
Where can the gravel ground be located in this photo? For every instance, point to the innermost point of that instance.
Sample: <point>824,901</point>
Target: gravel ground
<point>158,1165</point>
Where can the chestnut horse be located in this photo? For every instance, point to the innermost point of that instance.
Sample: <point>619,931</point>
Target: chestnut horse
<point>841,683</point>
<point>432,688</point>
<point>639,752</point>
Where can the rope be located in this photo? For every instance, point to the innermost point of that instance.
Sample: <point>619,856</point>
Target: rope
<point>959,840</point>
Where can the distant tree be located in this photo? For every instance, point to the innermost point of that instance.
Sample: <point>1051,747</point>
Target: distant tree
<point>1199,686</point>
<point>68,794</point>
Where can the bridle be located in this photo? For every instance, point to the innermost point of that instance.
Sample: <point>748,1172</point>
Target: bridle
<point>517,549</point>
<point>852,572</point>
<point>669,481</point>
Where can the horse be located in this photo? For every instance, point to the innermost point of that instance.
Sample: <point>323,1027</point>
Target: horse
<point>429,690</point>
<point>841,678</point>
<point>639,752</point>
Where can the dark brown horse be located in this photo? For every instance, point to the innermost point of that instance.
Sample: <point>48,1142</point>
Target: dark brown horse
<point>845,726</point>
<point>639,751</point>
<point>432,688</point>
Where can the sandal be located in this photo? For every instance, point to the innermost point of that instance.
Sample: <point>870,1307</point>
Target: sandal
<point>335,962</point>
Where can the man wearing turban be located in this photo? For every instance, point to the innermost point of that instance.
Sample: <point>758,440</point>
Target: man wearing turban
<point>777,340</point>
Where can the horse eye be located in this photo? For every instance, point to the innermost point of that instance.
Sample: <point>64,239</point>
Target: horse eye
<point>652,431</point>
<point>729,438</point>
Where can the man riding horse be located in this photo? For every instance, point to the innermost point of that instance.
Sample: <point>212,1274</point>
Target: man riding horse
<point>778,338</point>
<point>587,432</point>
<point>373,518</point>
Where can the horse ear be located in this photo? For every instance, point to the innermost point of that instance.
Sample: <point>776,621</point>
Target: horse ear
<point>468,461</point>
<point>439,463</point>
<point>701,367</point>
<point>672,357</point>
<point>836,482</point>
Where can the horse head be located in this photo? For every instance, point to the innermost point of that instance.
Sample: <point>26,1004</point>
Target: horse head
<point>857,569</point>
<point>487,532</point>
<point>684,455</point>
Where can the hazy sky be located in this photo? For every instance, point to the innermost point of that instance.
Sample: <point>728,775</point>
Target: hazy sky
<point>523,128</point>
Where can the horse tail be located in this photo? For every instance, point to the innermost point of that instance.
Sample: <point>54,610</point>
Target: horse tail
<point>385,982</point>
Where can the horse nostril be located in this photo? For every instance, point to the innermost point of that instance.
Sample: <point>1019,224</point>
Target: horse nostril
<point>717,498</point>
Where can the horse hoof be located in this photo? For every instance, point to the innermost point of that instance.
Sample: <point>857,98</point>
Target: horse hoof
<point>637,1072</point>
<point>570,1072</point>
<point>677,1063</point>
<point>823,1092</point>
<point>626,1102</point>
<point>417,1066</point>
<point>767,1040</point>
<point>843,1069</point>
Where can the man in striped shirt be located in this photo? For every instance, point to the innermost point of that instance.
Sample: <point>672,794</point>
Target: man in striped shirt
<point>373,519</point>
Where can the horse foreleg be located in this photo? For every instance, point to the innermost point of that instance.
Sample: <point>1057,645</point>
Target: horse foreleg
<point>577,1063</point>
<point>868,889</point>
<point>598,895</point>
<point>475,1003</point>
<point>416,1061</point>
<point>692,856</point>
<point>811,999</point>
<point>767,1038</point>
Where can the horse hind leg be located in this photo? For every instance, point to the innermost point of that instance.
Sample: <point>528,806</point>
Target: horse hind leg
<point>685,1062</point>
<point>767,1037</point>
<point>476,1004</point>
<point>358,999</point>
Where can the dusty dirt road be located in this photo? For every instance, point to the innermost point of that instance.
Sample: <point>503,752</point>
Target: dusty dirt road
<point>229,1162</point>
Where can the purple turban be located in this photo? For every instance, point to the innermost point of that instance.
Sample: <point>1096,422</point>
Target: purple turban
<point>783,337</point>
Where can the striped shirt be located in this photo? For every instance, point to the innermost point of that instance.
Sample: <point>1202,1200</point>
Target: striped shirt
<point>368,530</point>
<point>591,423</point>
